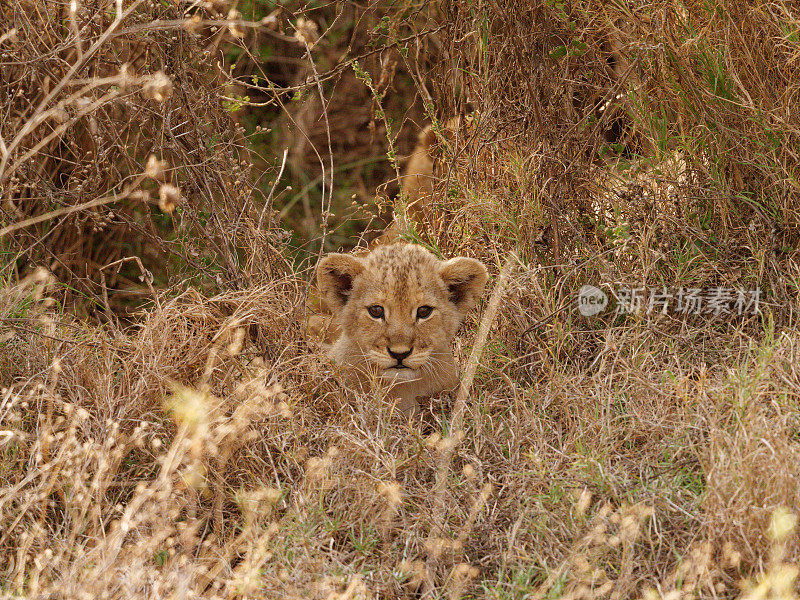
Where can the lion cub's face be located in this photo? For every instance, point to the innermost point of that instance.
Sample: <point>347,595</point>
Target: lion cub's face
<point>399,308</point>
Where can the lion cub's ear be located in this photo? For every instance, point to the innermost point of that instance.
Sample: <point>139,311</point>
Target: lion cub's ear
<point>335,276</point>
<point>464,278</point>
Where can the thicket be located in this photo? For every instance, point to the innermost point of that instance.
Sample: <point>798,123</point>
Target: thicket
<point>169,171</point>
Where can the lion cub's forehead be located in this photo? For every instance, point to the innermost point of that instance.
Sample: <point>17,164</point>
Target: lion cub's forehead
<point>402,270</point>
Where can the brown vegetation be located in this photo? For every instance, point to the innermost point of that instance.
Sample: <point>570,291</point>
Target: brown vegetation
<point>176,436</point>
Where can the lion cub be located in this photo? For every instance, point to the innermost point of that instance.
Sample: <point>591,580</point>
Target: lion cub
<point>397,311</point>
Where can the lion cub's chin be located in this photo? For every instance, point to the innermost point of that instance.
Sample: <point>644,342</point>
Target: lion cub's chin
<point>392,375</point>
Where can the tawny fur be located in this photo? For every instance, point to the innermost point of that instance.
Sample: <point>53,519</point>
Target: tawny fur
<point>400,278</point>
<point>419,177</point>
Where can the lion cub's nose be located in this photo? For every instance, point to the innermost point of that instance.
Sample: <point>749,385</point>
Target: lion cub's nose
<point>398,356</point>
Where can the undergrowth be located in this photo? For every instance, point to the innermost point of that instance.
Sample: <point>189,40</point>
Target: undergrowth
<point>166,429</point>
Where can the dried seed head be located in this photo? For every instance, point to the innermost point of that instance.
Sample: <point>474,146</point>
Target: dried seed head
<point>414,570</point>
<point>582,505</point>
<point>158,87</point>
<point>38,276</point>
<point>271,20</point>
<point>447,444</point>
<point>126,76</point>
<point>154,168</point>
<point>9,36</point>
<point>233,28</point>
<point>391,491</point>
<point>732,558</point>
<point>193,25</point>
<point>189,407</point>
<point>305,31</point>
<point>236,343</point>
<point>782,524</point>
<point>59,115</point>
<point>486,492</point>
<point>316,468</point>
<point>168,197</point>
<point>465,570</point>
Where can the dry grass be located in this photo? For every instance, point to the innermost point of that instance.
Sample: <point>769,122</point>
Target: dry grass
<point>207,450</point>
<point>117,142</point>
<point>265,477</point>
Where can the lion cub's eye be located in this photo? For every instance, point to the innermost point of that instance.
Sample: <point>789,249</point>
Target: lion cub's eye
<point>375,311</point>
<point>423,312</point>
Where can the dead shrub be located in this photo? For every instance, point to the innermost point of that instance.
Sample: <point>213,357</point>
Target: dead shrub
<point>93,96</point>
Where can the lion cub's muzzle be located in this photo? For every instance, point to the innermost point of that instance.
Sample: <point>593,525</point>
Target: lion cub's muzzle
<point>399,355</point>
<point>402,363</point>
